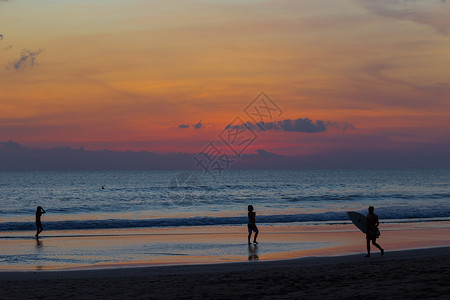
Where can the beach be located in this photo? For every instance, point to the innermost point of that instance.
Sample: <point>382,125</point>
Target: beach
<point>416,265</point>
<point>423,273</point>
<point>132,240</point>
<point>114,248</point>
<point>224,149</point>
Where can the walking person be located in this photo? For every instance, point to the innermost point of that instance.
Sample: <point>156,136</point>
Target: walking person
<point>371,235</point>
<point>252,224</point>
<point>39,212</point>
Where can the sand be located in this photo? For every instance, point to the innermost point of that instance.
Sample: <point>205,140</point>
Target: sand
<point>91,249</point>
<point>294,263</point>
<point>422,273</point>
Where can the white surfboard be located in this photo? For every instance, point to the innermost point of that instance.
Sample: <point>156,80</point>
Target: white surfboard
<point>360,221</point>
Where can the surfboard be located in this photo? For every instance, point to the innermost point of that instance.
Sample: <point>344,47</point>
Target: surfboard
<point>360,221</point>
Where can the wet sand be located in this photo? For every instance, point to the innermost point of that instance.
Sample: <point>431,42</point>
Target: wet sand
<point>422,273</point>
<point>291,262</point>
<point>70,250</point>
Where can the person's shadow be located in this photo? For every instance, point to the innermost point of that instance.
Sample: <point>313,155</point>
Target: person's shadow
<point>253,252</point>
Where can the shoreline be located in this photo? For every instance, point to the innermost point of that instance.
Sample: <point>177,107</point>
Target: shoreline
<point>136,271</point>
<point>82,250</point>
<point>406,274</point>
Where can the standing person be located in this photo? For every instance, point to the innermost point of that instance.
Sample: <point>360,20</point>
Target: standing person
<point>252,224</point>
<point>372,224</point>
<point>39,212</point>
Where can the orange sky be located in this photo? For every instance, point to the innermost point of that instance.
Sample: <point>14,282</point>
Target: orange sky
<point>123,75</point>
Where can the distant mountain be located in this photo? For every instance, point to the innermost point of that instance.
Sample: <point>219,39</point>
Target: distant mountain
<point>14,157</point>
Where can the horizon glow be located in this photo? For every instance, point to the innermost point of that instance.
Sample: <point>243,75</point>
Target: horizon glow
<point>123,75</point>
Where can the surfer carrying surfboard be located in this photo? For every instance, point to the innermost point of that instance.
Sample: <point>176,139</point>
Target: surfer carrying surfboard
<point>371,235</point>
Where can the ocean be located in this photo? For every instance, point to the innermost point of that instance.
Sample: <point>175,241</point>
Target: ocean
<point>154,199</point>
<point>104,219</point>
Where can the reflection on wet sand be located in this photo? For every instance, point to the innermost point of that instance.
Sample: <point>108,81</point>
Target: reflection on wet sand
<point>253,252</point>
<point>39,246</point>
<point>39,243</point>
<point>142,246</point>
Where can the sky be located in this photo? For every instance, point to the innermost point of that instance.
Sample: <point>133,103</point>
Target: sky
<point>350,76</point>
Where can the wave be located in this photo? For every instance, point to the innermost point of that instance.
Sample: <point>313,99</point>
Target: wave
<point>397,214</point>
<point>369,196</point>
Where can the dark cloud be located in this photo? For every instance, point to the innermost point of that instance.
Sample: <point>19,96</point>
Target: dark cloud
<point>347,126</point>
<point>299,125</point>
<point>195,126</point>
<point>340,126</point>
<point>266,154</point>
<point>1,36</point>
<point>27,59</point>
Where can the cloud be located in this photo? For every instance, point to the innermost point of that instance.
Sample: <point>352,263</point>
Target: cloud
<point>266,154</point>
<point>1,36</point>
<point>27,59</point>
<point>347,126</point>
<point>195,126</point>
<point>299,125</point>
<point>380,72</point>
<point>340,126</point>
<point>434,14</point>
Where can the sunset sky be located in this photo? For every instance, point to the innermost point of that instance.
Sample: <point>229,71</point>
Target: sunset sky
<point>138,75</point>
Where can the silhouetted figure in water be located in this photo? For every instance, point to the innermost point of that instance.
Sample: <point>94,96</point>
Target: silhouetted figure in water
<point>102,187</point>
<point>252,224</point>
<point>39,212</point>
<point>371,235</point>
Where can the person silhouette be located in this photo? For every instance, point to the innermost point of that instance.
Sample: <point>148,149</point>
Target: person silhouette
<point>39,212</point>
<point>371,235</point>
<point>252,224</point>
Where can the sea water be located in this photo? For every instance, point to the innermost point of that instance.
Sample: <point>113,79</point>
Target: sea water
<point>145,199</point>
<point>115,217</point>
